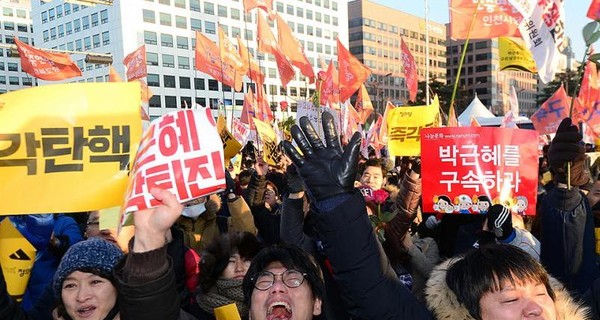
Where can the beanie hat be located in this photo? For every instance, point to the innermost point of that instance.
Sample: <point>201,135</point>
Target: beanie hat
<point>500,221</point>
<point>92,254</point>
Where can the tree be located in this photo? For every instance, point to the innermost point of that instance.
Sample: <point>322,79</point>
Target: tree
<point>444,92</point>
<point>569,79</point>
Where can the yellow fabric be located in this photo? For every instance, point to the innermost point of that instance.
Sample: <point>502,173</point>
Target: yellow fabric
<point>404,125</point>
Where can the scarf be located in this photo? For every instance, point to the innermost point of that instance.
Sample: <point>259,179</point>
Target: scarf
<point>224,292</point>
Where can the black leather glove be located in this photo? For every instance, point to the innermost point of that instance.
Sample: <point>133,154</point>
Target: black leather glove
<point>566,147</point>
<point>499,221</point>
<point>326,171</point>
<point>229,183</point>
<point>295,183</point>
<point>416,165</point>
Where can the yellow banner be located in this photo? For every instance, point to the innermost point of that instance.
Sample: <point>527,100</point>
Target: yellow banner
<point>268,140</point>
<point>404,126</point>
<point>230,145</point>
<point>514,55</point>
<point>67,147</point>
<point>227,312</point>
<point>16,258</point>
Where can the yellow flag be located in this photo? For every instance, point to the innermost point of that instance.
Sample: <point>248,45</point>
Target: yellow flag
<point>227,312</point>
<point>515,56</point>
<point>230,145</point>
<point>268,140</point>
<point>404,126</point>
<point>67,147</point>
<point>16,258</point>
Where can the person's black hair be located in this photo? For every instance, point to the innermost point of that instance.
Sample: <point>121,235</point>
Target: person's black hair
<point>374,162</point>
<point>215,256</point>
<point>60,306</point>
<point>485,270</point>
<point>244,177</point>
<point>484,198</point>
<point>291,257</point>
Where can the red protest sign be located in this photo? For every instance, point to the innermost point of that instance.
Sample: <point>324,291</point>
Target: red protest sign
<point>467,169</point>
<point>172,156</point>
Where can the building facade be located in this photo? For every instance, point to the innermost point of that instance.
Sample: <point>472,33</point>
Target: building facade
<point>375,32</point>
<point>167,28</point>
<point>15,21</point>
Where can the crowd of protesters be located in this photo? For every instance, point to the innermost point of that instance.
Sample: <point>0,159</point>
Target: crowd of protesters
<point>295,241</point>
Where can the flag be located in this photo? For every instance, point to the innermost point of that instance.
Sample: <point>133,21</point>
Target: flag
<point>452,120</point>
<point>284,105</point>
<point>266,5</point>
<point>547,118</point>
<point>493,19</point>
<point>230,55</point>
<point>136,64</point>
<point>329,87</point>
<point>364,106</point>
<point>293,50</point>
<point>543,29</point>
<point>254,72</point>
<point>264,107</point>
<point>589,92</point>
<point>352,72</point>
<point>474,122</point>
<point>249,109</point>
<point>508,121</point>
<point>208,60</point>
<point>594,10</point>
<point>351,121</point>
<point>268,44</point>
<point>146,92</point>
<point>46,65</point>
<point>410,71</point>
<point>514,55</point>
<point>113,75</point>
<point>514,102</point>
<point>383,132</point>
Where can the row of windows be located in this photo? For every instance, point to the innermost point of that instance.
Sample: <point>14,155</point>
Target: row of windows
<point>9,25</point>
<point>10,66</point>
<point>67,8</point>
<point>10,12</point>
<point>16,81</point>
<point>72,26</point>
<point>478,45</point>
<point>308,14</point>
<point>168,60</point>
<point>87,43</point>
<point>11,39</point>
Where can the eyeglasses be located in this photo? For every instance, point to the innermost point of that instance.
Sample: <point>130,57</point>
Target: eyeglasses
<point>291,278</point>
<point>93,223</point>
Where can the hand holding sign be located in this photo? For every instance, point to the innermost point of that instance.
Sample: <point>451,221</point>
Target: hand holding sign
<point>152,225</point>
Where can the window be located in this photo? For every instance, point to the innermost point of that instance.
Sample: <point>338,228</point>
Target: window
<point>334,21</point>
<point>222,11</point>
<point>152,58</point>
<point>186,101</point>
<point>52,33</point>
<point>69,27</point>
<point>279,7</point>
<point>13,80</point>
<point>199,84</point>
<point>235,14</point>
<point>168,61</point>
<point>46,35</point>
<point>105,38</point>
<point>87,43</point>
<point>180,4</point>
<point>170,102</point>
<point>165,2</point>
<point>67,8</point>
<point>169,81</point>
<point>44,16</point>
<point>59,11</point>
<point>149,16</point>
<point>299,12</point>
<point>9,25</point>
<point>21,13</point>
<point>61,31</point>
<point>94,19</point>
<point>289,9</point>
<point>166,40</point>
<point>154,102</point>
<point>184,62</point>
<point>195,24</point>
<point>334,5</point>
<point>180,22</point>
<point>195,5</point>
<point>318,16</point>
<point>184,83</point>
<point>150,37</point>
<point>51,15</point>
<point>153,80</point>
<point>104,16</point>
<point>235,31</point>
<point>13,66</point>
<point>209,27</point>
<point>182,42</point>
<point>70,46</point>
<point>248,35</point>
<point>213,85</point>
<point>78,45</point>
<point>77,25</point>
<point>165,19</point>
<point>75,7</point>
<point>209,8</point>
<point>201,101</point>
<point>2,80</point>
<point>85,21</point>
<point>26,81</point>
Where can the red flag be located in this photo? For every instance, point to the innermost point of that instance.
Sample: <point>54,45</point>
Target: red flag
<point>230,55</point>
<point>46,65</point>
<point>283,105</point>
<point>547,118</point>
<point>146,92</point>
<point>113,75</point>
<point>268,44</point>
<point>264,107</point>
<point>249,109</point>
<point>452,120</point>
<point>410,71</point>
<point>136,64</point>
<point>293,50</point>
<point>474,122</point>
<point>352,120</point>
<point>594,10</point>
<point>589,92</point>
<point>254,72</point>
<point>352,72</point>
<point>383,135</point>
<point>494,19</point>
<point>364,106</point>
<point>208,60</point>
<point>266,5</point>
<point>328,86</point>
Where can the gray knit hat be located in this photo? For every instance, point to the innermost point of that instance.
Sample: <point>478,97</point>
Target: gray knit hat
<point>92,254</point>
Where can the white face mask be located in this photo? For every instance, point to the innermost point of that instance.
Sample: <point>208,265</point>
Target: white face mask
<point>194,211</point>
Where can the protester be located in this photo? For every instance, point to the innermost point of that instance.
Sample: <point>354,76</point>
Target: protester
<point>265,205</point>
<point>498,281</point>
<point>499,222</point>
<point>373,174</point>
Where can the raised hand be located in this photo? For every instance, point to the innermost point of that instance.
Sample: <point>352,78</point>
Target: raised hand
<point>152,225</point>
<point>325,169</point>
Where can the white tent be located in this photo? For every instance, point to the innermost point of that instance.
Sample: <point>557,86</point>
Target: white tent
<point>475,109</point>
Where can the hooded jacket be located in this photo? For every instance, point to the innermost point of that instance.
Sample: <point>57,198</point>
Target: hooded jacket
<point>444,304</point>
<point>198,233</point>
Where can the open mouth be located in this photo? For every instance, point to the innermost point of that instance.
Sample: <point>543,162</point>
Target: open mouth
<point>85,312</point>
<point>279,310</point>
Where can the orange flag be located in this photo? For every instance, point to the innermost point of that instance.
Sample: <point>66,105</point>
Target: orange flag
<point>264,107</point>
<point>249,109</point>
<point>547,118</point>
<point>352,120</point>
<point>208,60</point>
<point>452,120</point>
<point>293,50</point>
<point>594,10</point>
<point>268,44</point>
<point>146,92</point>
<point>364,106</point>
<point>266,5</point>
<point>352,72</point>
<point>410,71</point>
<point>254,72</point>
<point>474,122</point>
<point>328,87</point>
<point>113,75</point>
<point>230,55</point>
<point>46,65</point>
<point>136,64</point>
<point>589,92</point>
<point>494,20</point>
<point>383,136</point>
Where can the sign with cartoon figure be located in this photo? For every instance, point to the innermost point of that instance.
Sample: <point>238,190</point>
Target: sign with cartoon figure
<point>468,169</point>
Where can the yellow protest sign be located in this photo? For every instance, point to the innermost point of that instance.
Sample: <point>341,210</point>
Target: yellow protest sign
<point>230,145</point>
<point>109,218</point>
<point>404,126</point>
<point>16,258</point>
<point>268,139</point>
<point>67,147</point>
<point>514,55</point>
<point>227,312</point>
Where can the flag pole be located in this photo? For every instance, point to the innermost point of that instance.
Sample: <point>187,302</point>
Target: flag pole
<point>427,52</point>
<point>463,54</point>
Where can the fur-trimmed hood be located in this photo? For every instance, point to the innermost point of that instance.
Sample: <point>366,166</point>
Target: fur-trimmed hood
<point>442,302</point>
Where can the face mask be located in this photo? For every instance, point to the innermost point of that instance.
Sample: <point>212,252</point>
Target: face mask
<point>194,211</point>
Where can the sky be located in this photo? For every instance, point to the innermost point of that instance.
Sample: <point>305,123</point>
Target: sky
<point>575,19</point>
